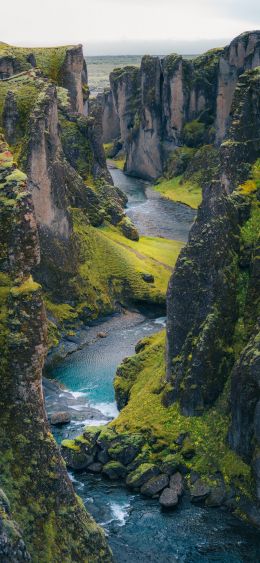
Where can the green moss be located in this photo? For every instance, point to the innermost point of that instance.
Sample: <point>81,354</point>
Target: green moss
<point>71,445</point>
<point>27,287</point>
<point>48,59</point>
<point>193,133</point>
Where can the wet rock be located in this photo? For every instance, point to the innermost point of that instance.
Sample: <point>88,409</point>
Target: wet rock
<point>148,278</point>
<point>155,485</point>
<point>141,475</point>
<point>60,418</point>
<point>126,448</point>
<point>75,457</point>
<point>95,467</point>
<point>170,465</point>
<point>199,491</point>
<point>217,494</point>
<point>176,484</point>
<point>168,498</point>
<point>102,334</point>
<point>103,456</point>
<point>114,470</point>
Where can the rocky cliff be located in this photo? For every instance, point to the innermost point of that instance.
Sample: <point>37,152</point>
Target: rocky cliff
<point>64,65</point>
<point>172,102</point>
<point>213,295</point>
<point>41,517</point>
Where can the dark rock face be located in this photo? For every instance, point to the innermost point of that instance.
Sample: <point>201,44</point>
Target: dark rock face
<point>244,434</point>
<point>155,485</point>
<point>10,118</point>
<point>173,101</point>
<point>27,447</point>
<point>202,307</point>
<point>214,290</point>
<point>110,119</point>
<point>202,293</point>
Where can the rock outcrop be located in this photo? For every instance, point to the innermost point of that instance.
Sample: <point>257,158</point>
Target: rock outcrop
<point>65,65</point>
<point>213,295</point>
<point>172,101</point>
<point>53,524</point>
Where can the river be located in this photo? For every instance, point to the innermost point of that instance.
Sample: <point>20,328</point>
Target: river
<point>136,528</point>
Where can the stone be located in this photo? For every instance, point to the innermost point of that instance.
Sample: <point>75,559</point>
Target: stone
<point>170,465</point>
<point>199,491</point>
<point>148,278</point>
<point>102,334</point>
<point>217,494</point>
<point>155,485</point>
<point>60,418</point>
<point>114,470</point>
<point>168,498</point>
<point>141,475</point>
<point>176,484</point>
<point>95,467</point>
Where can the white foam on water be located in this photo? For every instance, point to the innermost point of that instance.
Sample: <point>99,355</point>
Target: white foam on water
<point>77,394</point>
<point>120,513</point>
<point>75,481</point>
<point>108,409</point>
<point>160,321</point>
<point>94,422</point>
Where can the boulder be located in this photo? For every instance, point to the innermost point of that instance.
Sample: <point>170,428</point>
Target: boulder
<point>141,475</point>
<point>199,491</point>
<point>74,456</point>
<point>176,484</point>
<point>170,465</point>
<point>168,498</point>
<point>102,334</point>
<point>128,229</point>
<point>114,470</point>
<point>126,448</point>
<point>155,485</point>
<point>60,418</point>
<point>217,494</point>
<point>95,467</point>
<point>148,278</point>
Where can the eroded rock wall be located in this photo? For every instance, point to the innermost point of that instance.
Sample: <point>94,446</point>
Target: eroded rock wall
<point>51,522</point>
<point>168,101</point>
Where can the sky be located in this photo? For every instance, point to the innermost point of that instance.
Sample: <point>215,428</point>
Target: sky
<point>110,27</point>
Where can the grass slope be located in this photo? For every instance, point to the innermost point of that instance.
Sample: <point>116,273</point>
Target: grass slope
<point>182,191</point>
<point>144,378</point>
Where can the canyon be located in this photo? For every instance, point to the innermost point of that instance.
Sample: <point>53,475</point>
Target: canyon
<point>188,400</point>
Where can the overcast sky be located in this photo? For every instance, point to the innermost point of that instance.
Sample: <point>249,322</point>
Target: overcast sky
<point>128,26</point>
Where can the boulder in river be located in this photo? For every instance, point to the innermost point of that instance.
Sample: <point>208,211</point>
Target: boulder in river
<point>114,470</point>
<point>199,491</point>
<point>168,498</point>
<point>155,485</point>
<point>60,418</point>
<point>141,475</point>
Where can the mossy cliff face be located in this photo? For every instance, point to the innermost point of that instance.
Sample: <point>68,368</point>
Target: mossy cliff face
<point>64,65</point>
<point>213,295</point>
<point>50,518</point>
<point>174,102</point>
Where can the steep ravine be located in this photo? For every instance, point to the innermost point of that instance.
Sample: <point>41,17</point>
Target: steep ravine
<point>137,529</point>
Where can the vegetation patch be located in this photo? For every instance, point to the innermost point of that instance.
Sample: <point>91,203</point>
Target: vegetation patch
<point>180,190</point>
